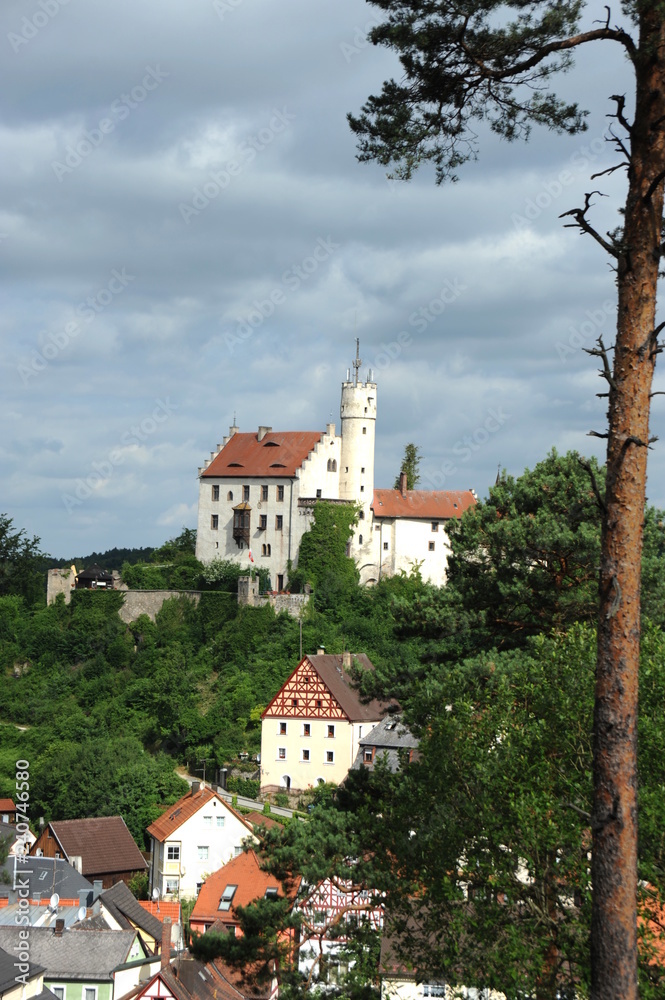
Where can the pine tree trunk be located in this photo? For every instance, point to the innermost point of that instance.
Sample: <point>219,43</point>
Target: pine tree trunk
<point>614,865</point>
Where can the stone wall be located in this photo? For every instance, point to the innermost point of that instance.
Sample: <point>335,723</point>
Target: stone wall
<point>248,594</point>
<point>149,602</point>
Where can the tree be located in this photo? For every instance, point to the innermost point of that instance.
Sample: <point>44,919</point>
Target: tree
<point>22,564</point>
<point>410,465</point>
<point>323,559</point>
<point>492,60</point>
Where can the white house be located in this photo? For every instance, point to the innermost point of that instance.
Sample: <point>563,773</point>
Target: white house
<point>193,838</point>
<point>258,490</point>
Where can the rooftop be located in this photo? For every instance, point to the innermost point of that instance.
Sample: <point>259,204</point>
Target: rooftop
<point>186,807</point>
<point>429,505</point>
<point>103,843</point>
<point>88,956</point>
<point>275,454</point>
<point>250,881</point>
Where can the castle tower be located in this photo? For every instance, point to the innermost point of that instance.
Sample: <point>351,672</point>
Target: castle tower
<point>358,418</point>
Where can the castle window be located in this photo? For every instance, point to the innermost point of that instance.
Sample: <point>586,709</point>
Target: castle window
<point>215,492</point>
<point>362,489</point>
<point>229,495</point>
<point>364,430</point>
<point>346,469</point>
<point>385,546</point>
<point>263,521</point>
<point>280,581</point>
<point>363,469</point>
<point>435,525</point>
<point>264,492</point>
<point>318,494</point>
<point>280,492</point>
<point>214,521</point>
<point>361,515</point>
<point>360,539</point>
<point>245,493</point>
<point>431,546</point>
<point>332,465</point>
<point>279,522</point>
<point>265,550</point>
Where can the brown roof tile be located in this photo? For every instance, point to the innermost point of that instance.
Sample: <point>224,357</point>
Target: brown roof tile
<point>278,454</point>
<point>425,504</point>
<point>329,668</point>
<point>183,809</point>
<point>103,843</point>
<point>252,882</point>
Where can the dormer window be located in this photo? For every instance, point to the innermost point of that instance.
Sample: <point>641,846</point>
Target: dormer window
<point>271,892</point>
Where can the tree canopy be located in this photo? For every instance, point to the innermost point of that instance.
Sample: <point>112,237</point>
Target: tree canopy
<point>410,465</point>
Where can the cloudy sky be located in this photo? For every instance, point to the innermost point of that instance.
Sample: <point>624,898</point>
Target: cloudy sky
<point>185,235</point>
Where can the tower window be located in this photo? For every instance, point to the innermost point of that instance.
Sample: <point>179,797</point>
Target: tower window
<point>363,469</point>
<point>215,492</point>
<point>435,525</point>
<point>361,515</point>
<point>364,430</point>
<point>362,489</point>
<point>431,546</point>
<point>385,546</point>
<point>360,539</point>
<point>229,495</point>
<point>214,521</point>
<point>318,494</point>
<point>346,468</point>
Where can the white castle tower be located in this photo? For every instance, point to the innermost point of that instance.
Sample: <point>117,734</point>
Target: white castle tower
<point>356,474</point>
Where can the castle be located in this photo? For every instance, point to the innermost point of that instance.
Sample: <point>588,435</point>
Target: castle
<point>258,490</point>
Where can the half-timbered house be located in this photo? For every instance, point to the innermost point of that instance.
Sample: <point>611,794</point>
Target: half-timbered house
<point>311,729</point>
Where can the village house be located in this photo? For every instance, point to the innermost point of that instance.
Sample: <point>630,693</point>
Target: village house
<point>311,729</point>
<point>390,742</point>
<point>258,490</point>
<point>193,838</point>
<point>99,847</point>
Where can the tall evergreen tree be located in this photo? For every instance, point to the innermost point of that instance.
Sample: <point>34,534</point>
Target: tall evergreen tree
<point>492,60</point>
<point>410,465</point>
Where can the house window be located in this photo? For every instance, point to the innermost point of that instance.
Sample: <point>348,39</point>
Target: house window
<point>330,756</point>
<point>215,492</point>
<point>214,521</point>
<point>245,493</point>
<point>173,852</point>
<point>280,492</point>
<point>294,702</point>
<point>385,546</point>
<point>90,993</point>
<point>431,546</point>
<point>279,522</point>
<point>171,887</point>
<point>368,755</point>
<point>434,990</point>
<point>264,493</point>
<point>227,897</point>
<point>220,821</point>
<point>58,991</point>
<point>271,892</point>
<point>229,495</point>
<point>331,732</point>
<point>364,430</point>
<point>319,703</point>
<point>361,515</point>
<point>281,753</point>
<point>318,494</point>
<point>237,851</point>
<point>202,852</point>
<point>280,581</point>
<point>305,756</point>
<point>207,820</point>
<point>435,525</point>
<point>307,729</point>
<point>282,729</point>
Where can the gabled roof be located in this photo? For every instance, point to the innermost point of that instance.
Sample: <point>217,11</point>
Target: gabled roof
<point>189,979</point>
<point>428,505</point>
<point>387,739</point>
<point>7,805</point>
<point>277,454</point>
<point>46,876</point>
<point>162,908</point>
<point>8,971</point>
<point>330,669</point>
<point>251,881</point>
<point>88,956</point>
<point>186,807</point>
<point>103,843</point>
<point>121,903</point>
<point>260,819</point>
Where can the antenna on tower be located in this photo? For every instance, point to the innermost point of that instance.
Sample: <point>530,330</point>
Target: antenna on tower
<point>357,362</point>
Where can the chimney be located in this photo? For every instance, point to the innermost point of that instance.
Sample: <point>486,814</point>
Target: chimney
<point>321,651</point>
<point>97,887</point>
<point>59,927</point>
<point>263,431</point>
<point>346,659</point>
<point>196,788</point>
<point>83,899</point>
<point>166,943</point>
<point>402,483</point>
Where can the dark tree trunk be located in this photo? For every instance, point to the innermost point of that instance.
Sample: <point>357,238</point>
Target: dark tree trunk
<point>614,866</point>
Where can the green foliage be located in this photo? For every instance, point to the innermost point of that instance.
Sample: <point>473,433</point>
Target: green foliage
<point>138,885</point>
<point>243,786</point>
<point>410,465</point>
<point>322,559</point>
<point>178,548</point>
<point>22,564</point>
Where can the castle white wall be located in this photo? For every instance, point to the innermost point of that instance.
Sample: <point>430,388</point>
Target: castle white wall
<point>402,543</point>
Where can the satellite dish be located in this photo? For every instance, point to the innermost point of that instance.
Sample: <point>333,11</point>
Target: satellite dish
<point>82,913</point>
<point>155,894</point>
<point>53,901</point>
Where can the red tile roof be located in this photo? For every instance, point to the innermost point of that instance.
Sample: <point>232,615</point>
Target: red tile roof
<point>277,454</point>
<point>245,872</point>
<point>6,805</point>
<point>425,504</point>
<point>103,843</point>
<point>260,819</point>
<point>183,809</point>
<point>161,909</point>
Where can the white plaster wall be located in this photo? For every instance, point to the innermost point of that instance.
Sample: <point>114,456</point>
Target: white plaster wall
<point>305,774</point>
<point>408,543</point>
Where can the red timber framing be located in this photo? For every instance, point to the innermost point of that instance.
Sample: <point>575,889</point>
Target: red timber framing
<point>304,696</point>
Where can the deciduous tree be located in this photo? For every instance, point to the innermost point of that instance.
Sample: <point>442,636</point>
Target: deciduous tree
<point>492,61</point>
